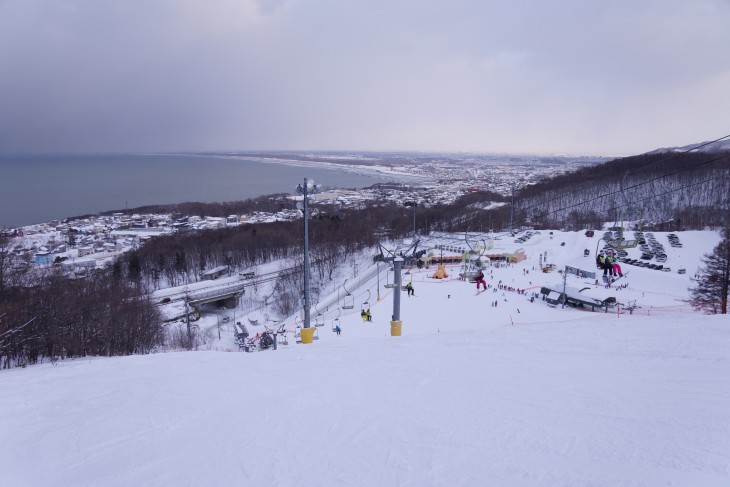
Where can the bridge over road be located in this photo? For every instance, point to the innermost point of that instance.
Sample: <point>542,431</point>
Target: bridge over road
<point>228,296</point>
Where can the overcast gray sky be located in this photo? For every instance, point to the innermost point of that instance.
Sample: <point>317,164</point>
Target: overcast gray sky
<point>576,76</point>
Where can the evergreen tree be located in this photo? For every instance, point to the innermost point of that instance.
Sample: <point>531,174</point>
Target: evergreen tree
<point>713,281</point>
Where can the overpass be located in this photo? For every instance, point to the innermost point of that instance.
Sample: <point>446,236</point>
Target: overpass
<point>228,296</point>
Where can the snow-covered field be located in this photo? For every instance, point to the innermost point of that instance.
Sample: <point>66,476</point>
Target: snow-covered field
<point>519,394</point>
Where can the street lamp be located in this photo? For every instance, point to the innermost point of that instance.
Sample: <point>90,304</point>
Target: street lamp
<point>305,190</point>
<point>414,205</point>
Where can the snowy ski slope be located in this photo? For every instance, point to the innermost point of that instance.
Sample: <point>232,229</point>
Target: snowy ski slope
<point>520,394</point>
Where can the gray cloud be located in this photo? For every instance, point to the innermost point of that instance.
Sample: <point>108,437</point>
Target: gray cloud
<point>165,75</point>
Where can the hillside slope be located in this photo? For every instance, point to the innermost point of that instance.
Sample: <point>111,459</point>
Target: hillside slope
<point>469,395</point>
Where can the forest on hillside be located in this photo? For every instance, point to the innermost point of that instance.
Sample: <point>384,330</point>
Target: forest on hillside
<point>685,190</point>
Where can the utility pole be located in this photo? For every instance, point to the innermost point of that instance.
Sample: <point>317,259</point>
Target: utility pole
<point>305,191</point>
<point>395,324</point>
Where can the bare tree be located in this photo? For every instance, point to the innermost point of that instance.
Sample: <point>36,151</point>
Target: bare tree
<point>713,281</point>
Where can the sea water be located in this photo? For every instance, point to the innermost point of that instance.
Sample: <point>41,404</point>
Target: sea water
<point>36,189</point>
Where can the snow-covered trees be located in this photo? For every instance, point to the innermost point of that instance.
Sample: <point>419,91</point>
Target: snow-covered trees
<point>713,281</point>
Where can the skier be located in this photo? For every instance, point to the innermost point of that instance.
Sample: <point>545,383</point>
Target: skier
<point>368,315</point>
<point>615,266</point>
<point>605,265</point>
<point>409,288</point>
<point>480,280</point>
<point>338,329</point>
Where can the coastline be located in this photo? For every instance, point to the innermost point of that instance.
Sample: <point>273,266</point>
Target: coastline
<point>375,170</point>
<point>37,189</point>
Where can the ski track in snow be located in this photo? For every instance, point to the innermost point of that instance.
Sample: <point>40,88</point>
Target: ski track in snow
<point>464,397</point>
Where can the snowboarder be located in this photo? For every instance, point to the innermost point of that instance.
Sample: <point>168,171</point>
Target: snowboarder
<point>368,316</point>
<point>409,288</point>
<point>480,280</point>
<point>338,329</point>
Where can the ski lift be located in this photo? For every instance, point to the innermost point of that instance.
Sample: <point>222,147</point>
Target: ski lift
<point>366,304</point>
<point>471,267</point>
<point>472,263</point>
<point>349,301</point>
<point>298,334</point>
<point>283,339</point>
<point>388,283</point>
<point>319,319</point>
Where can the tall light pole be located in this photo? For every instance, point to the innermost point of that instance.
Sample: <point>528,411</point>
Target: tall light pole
<point>395,323</point>
<point>308,188</point>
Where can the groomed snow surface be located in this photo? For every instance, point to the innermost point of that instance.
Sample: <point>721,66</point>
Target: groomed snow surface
<point>471,395</point>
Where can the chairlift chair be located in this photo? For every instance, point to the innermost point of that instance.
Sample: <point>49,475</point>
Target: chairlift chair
<point>388,283</point>
<point>349,300</point>
<point>366,304</point>
<point>336,321</point>
<point>298,334</point>
<point>319,318</point>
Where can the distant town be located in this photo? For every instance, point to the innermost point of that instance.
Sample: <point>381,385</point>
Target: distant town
<point>78,245</point>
